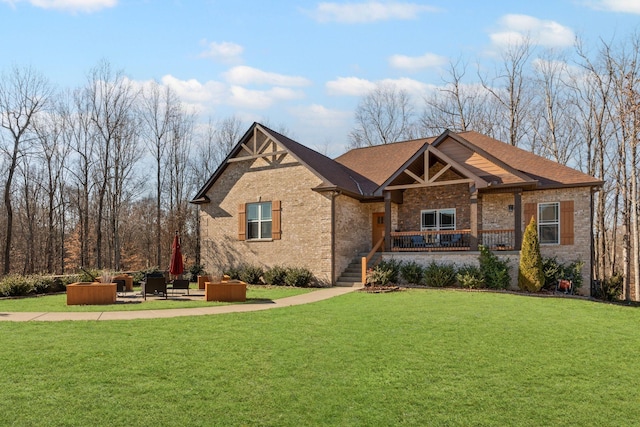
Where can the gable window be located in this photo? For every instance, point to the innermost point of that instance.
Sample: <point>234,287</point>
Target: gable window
<point>259,220</point>
<point>438,219</point>
<point>549,223</point>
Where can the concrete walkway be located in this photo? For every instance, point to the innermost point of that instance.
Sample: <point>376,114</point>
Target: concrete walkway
<point>309,297</point>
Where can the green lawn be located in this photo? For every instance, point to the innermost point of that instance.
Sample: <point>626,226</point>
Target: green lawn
<point>419,357</point>
<point>57,303</point>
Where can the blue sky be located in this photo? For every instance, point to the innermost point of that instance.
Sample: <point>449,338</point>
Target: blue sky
<point>301,65</point>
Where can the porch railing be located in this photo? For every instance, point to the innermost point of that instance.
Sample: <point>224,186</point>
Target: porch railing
<point>497,240</point>
<point>365,259</point>
<point>451,240</point>
<point>441,240</point>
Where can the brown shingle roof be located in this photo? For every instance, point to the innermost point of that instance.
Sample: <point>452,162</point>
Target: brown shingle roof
<point>379,162</point>
<point>548,173</point>
<point>360,172</point>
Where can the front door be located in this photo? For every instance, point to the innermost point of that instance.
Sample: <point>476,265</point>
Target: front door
<point>378,229</point>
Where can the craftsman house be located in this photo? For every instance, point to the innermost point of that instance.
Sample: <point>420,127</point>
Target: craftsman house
<point>273,201</point>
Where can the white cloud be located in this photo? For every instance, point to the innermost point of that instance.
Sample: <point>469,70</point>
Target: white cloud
<point>416,63</point>
<point>260,99</point>
<point>624,6</point>
<point>87,6</point>
<point>244,75</point>
<point>197,94</point>
<point>516,28</point>
<point>319,114</point>
<point>368,11</point>
<point>353,86</point>
<point>225,52</point>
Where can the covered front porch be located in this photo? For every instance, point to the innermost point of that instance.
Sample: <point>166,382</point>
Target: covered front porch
<point>452,240</point>
<point>436,203</point>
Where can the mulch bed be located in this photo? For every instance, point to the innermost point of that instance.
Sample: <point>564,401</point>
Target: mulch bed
<point>380,289</point>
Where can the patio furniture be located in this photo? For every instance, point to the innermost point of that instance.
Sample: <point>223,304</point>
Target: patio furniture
<point>179,284</point>
<point>564,286</point>
<point>155,286</point>
<point>91,293</point>
<point>121,286</point>
<point>227,291</point>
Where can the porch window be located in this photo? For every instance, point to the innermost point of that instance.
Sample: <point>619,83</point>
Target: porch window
<point>438,219</point>
<point>549,223</point>
<point>259,220</point>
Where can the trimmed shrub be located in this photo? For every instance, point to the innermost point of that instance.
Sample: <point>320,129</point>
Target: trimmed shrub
<point>233,272</point>
<point>195,271</point>
<point>530,273</point>
<point>393,266</point>
<point>299,276</point>
<point>411,272</point>
<point>554,270</point>
<point>42,284</point>
<point>275,276</point>
<point>470,277</point>
<point>251,274</point>
<point>89,275</point>
<point>495,272</point>
<point>610,289</point>
<point>378,276</point>
<point>439,275</point>
<point>16,286</point>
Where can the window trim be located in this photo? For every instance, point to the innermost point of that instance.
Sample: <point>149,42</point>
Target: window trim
<point>260,221</point>
<point>545,223</point>
<point>438,226</point>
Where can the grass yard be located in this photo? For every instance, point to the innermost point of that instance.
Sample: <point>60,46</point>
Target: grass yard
<point>58,303</point>
<point>419,357</point>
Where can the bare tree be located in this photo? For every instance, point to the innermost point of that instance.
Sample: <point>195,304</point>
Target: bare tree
<point>111,98</point>
<point>553,119</point>
<point>160,107</point>
<point>24,93</point>
<point>383,116</point>
<point>509,88</point>
<point>79,135</point>
<point>52,152</point>
<point>457,105</point>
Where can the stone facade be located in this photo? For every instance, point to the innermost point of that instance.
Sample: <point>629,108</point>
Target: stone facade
<point>305,218</point>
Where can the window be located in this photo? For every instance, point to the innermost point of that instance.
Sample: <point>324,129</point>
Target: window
<point>549,223</point>
<point>438,219</point>
<point>259,220</point>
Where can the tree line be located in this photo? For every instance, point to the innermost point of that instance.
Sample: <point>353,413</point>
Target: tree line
<point>101,175</point>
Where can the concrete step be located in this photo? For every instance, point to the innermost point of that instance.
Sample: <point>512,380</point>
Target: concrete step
<point>346,284</point>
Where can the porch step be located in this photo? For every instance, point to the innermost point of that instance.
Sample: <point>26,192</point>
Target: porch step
<point>352,275</point>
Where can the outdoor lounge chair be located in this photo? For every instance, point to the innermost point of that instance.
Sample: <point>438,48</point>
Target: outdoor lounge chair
<point>179,284</point>
<point>451,240</point>
<point>418,242</point>
<point>155,286</point>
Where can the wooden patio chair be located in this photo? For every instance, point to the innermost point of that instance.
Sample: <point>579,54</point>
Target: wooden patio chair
<point>155,286</point>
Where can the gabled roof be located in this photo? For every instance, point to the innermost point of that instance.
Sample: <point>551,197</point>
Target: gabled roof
<point>365,172</point>
<point>333,174</point>
<point>547,173</point>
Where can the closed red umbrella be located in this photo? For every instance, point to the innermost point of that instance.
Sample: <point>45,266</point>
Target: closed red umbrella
<point>177,266</point>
